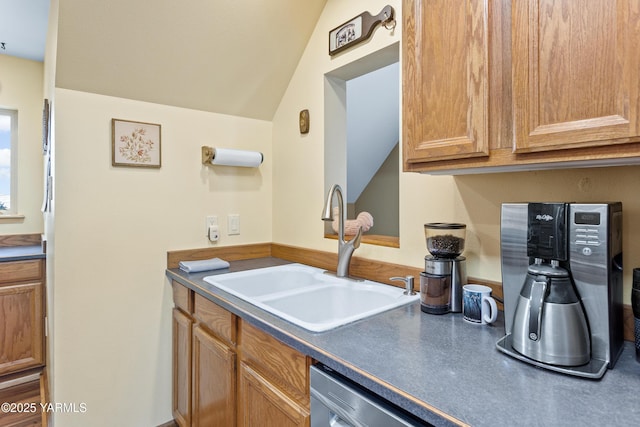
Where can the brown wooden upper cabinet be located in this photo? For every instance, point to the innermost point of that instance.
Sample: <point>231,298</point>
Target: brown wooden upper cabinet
<point>520,84</point>
<point>575,73</point>
<point>445,53</point>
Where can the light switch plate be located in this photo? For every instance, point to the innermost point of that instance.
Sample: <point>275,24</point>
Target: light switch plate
<point>233,224</point>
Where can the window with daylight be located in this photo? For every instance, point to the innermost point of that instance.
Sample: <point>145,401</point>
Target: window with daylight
<point>8,160</point>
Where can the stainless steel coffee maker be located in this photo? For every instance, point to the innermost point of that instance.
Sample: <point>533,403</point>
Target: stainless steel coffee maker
<point>562,284</point>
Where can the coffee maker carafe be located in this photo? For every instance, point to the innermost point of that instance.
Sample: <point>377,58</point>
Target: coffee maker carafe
<point>445,270</point>
<point>562,285</point>
<point>549,324</point>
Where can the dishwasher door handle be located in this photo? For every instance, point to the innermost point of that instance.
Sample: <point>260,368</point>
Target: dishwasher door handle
<point>336,421</point>
<point>338,413</point>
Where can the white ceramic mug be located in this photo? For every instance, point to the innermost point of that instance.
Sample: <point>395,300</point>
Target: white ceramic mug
<point>477,305</point>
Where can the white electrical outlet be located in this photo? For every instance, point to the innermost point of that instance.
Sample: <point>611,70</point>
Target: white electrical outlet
<point>211,220</point>
<point>233,224</point>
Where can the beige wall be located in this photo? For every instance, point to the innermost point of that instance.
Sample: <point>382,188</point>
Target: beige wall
<point>298,174</point>
<point>21,82</point>
<point>298,179</point>
<point>113,228</point>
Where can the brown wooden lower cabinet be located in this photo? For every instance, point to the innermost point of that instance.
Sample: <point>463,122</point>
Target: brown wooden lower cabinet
<point>182,324</point>
<point>214,381</point>
<point>22,342</point>
<point>264,404</point>
<point>227,372</point>
<point>21,315</point>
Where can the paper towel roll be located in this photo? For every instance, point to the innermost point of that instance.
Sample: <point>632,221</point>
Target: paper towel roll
<point>231,157</point>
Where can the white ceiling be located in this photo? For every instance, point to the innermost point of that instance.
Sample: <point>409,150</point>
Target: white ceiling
<point>225,56</point>
<point>23,28</point>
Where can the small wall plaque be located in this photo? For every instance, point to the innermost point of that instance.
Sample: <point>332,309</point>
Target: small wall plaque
<point>304,121</point>
<point>359,29</point>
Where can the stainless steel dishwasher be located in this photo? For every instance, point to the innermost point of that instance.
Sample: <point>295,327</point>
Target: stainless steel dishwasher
<point>338,402</point>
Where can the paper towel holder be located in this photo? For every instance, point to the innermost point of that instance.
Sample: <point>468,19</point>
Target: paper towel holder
<point>209,154</point>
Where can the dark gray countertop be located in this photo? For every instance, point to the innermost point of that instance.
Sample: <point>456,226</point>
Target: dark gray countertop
<point>436,365</point>
<point>21,253</point>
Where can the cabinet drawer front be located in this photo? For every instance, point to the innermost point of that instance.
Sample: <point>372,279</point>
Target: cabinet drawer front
<point>263,404</point>
<point>23,396</point>
<point>20,271</point>
<point>282,364</point>
<point>215,318</point>
<point>183,297</point>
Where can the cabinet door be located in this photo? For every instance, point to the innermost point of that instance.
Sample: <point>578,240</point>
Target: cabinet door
<point>182,325</point>
<point>214,381</point>
<point>575,73</point>
<point>21,334</point>
<point>445,77</point>
<point>264,405</point>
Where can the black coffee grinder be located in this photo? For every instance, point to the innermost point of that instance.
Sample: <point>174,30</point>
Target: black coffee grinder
<point>445,272</point>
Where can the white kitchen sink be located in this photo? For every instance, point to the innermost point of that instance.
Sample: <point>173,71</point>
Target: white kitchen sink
<point>308,297</point>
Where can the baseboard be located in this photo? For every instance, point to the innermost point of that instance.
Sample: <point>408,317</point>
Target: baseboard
<point>21,240</point>
<point>171,423</point>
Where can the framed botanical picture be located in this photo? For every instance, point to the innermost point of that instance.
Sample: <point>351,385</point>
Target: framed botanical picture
<point>135,144</point>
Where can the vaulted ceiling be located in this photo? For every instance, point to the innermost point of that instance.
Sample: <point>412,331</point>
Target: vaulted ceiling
<point>226,56</point>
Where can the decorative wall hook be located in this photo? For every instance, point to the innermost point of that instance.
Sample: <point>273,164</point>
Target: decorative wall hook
<point>359,29</point>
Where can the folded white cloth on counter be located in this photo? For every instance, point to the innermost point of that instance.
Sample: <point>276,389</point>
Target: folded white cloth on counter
<point>203,265</point>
